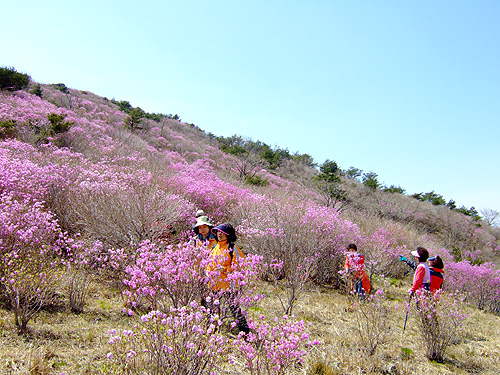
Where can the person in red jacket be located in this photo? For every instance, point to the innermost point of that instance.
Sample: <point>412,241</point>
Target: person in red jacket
<point>422,278</point>
<point>435,268</point>
<point>437,274</point>
<point>355,266</point>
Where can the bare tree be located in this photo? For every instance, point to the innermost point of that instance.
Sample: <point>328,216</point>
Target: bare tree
<point>492,217</point>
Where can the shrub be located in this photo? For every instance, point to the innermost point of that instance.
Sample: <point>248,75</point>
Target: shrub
<point>134,119</point>
<point>256,180</point>
<point>320,368</point>
<point>12,80</point>
<point>182,341</point>
<point>273,349</point>
<point>440,320</point>
<point>61,87</point>
<point>7,129</point>
<point>169,276</point>
<point>29,257</point>
<point>300,241</point>
<point>373,319</point>
<point>37,90</point>
<point>480,284</point>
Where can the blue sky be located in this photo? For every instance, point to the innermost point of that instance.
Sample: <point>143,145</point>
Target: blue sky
<point>408,90</point>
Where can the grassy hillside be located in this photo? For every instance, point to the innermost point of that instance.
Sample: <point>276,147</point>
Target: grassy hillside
<point>97,202</point>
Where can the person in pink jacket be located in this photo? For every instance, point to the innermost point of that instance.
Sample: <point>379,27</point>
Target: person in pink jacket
<point>422,278</point>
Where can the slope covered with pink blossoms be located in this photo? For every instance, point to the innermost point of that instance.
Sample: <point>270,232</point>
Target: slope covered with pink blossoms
<point>105,202</point>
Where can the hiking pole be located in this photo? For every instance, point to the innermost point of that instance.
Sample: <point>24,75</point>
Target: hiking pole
<point>406,318</point>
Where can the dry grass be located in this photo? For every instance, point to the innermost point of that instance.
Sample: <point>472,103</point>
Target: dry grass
<point>77,344</point>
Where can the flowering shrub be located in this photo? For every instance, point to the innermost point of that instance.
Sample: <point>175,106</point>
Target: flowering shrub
<point>440,320</point>
<point>381,251</point>
<point>480,284</point>
<point>299,240</point>
<point>199,184</point>
<point>165,275</point>
<point>273,349</point>
<point>30,257</point>
<point>182,341</point>
<point>373,318</point>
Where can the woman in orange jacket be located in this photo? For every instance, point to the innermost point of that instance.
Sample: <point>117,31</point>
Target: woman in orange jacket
<point>225,259</point>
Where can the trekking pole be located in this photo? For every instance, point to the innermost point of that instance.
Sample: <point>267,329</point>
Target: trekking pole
<point>406,318</point>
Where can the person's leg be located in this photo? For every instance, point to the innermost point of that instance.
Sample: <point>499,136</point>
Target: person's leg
<point>241,321</point>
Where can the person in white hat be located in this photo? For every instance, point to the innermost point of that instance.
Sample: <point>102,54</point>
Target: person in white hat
<point>422,278</point>
<point>203,232</point>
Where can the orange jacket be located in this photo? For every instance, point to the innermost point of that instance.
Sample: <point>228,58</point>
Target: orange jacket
<point>225,261</point>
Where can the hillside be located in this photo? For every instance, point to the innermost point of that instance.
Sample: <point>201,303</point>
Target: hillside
<point>98,200</point>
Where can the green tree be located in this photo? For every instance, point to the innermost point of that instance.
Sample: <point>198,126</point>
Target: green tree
<point>12,80</point>
<point>304,159</point>
<point>37,90</point>
<point>7,129</point>
<point>134,119</point>
<point>274,157</point>
<point>353,173</point>
<point>451,204</point>
<point>57,124</point>
<point>329,171</point>
<point>370,180</point>
<point>394,189</point>
<point>329,184</point>
<point>434,198</point>
<point>61,87</point>
<point>472,212</point>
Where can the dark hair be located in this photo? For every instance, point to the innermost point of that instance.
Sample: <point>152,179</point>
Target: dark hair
<point>228,229</point>
<point>352,246</point>
<point>437,262</point>
<point>423,254</point>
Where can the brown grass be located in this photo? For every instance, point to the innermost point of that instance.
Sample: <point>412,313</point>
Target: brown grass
<point>77,344</point>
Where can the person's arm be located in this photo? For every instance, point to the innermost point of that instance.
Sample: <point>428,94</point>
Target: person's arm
<point>412,265</point>
<point>419,278</point>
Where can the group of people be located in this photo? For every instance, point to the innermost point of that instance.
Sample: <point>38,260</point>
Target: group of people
<point>428,276</point>
<point>226,256</point>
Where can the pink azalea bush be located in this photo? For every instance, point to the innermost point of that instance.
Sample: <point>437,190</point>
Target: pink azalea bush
<point>373,318</point>
<point>440,320</point>
<point>273,348</point>
<point>180,341</point>
<point>301,240</point>
<point>31,263</point>
<point>480,284</point>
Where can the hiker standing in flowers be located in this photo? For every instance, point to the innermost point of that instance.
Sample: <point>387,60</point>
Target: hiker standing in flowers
<point>422,278</point>
<point>436,270</point>
<point>203,232</point>
<point>225,259</point>
<point>355,266</point>
<point>437,274</point>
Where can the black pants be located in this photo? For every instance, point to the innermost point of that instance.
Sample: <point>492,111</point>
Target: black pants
<point>241,321</point>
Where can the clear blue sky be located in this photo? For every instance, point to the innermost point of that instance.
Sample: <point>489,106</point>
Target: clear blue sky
<point>407,89</point>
